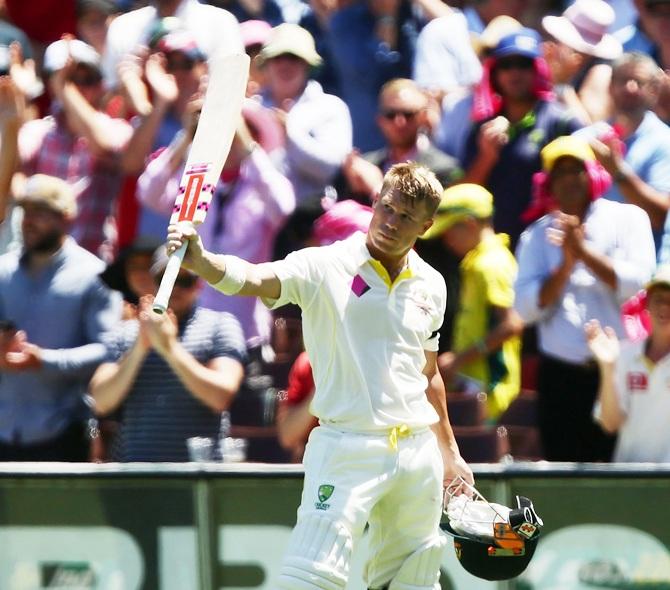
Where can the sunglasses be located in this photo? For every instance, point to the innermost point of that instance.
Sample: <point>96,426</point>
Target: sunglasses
<point>515,63</point>
<point>186,281</point>
<point>179,64</point>
<point>86,80</point>
<point>391,114</point>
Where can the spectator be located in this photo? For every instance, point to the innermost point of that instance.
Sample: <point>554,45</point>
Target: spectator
<point>445,60</point>
<point>372,41</point>
<point>79,143</point>
<point>317,125</point>
<point>252,198</point>
<point>93,20</point>
<point>580,261</point>
<point>216,30</point>
<point>486,347</point>
<point>639,159</point>
<point>452,130</point>
<point>130,274</point>
<point>255,33</point>
<point>316,20</point>
<point>171,374</point>
<point>402,117</point>
<point>515,116</point>
<point>635,36</point>
<point>54,310</point>
<point>294,418</point>
<point>578,54</point>
<point>633,393</point>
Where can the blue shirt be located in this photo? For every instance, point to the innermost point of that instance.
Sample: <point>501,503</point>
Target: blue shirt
<point>64,309</point>
<point>364,64</point>
<point>510,180</point>
<point>648,154</point>
<point>620,232</point>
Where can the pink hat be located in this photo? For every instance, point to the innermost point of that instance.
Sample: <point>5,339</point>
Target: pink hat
<point>340,221</point>
<point>255,32</point>
<point>583,27</point>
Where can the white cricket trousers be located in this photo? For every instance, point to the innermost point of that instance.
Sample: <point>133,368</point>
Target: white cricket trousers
<point>354,479</point>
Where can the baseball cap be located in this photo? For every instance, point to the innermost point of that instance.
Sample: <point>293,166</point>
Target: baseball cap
<point>56,54</point>
<point>499,27</point>
<point>182,42</point>
<point>293,39</point>
<point>459,202</point>
<point>566,145</point>
<point>255,32</point>
<point>660,278</point>
<point>524,42</point>
<point>51,192</point>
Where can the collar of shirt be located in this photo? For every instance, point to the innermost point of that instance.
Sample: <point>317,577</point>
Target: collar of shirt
<point>490,242</point>
<point>361,255</point>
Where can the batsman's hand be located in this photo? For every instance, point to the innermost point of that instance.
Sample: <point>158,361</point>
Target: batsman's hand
<point>178,234</point>
<point>454,467</point>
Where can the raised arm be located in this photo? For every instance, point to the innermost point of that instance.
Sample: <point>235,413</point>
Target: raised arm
<point>257,280</point>
<point>605,348</point>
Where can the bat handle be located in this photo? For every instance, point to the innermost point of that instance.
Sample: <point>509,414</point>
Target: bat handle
<point>169,277</point>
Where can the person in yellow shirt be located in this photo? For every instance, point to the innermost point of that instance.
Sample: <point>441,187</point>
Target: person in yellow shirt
<point>486,342</point>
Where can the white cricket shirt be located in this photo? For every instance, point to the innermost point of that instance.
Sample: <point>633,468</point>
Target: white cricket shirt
<point>365,337</point>
<point>644,397</point>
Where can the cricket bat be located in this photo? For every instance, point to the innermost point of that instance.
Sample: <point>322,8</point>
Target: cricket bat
<point>214,135</point>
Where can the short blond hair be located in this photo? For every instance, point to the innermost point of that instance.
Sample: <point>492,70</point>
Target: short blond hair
<point>416,182</point>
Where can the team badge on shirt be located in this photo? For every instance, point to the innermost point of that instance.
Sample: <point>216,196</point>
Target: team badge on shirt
<point>324,492</point>
<point>637,381</point>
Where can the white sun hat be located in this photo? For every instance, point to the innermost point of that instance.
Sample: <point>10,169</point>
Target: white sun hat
<point>583,27</point>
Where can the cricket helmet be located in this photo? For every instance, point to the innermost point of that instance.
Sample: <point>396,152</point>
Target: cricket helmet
<point>491,541</point>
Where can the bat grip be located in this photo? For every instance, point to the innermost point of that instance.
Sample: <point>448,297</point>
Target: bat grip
<point>169,277</point>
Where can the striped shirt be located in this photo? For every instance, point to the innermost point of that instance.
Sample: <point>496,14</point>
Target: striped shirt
<point>159,413</point>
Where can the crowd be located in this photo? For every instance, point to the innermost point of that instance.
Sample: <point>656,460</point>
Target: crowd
<point>546,125</point>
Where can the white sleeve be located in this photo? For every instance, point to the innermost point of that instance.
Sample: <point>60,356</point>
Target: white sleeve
<point>532,274</point>
<point>444,58</point>
<point>634,259</point>
<point>301,274</point>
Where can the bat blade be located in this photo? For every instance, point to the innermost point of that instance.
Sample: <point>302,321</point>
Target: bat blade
<point>213,137</point>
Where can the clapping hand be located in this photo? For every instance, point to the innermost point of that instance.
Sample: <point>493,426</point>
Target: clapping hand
<point>603,343</point>
<point>567,232</point>
<point>18,355</point>
<point>159,329</point>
